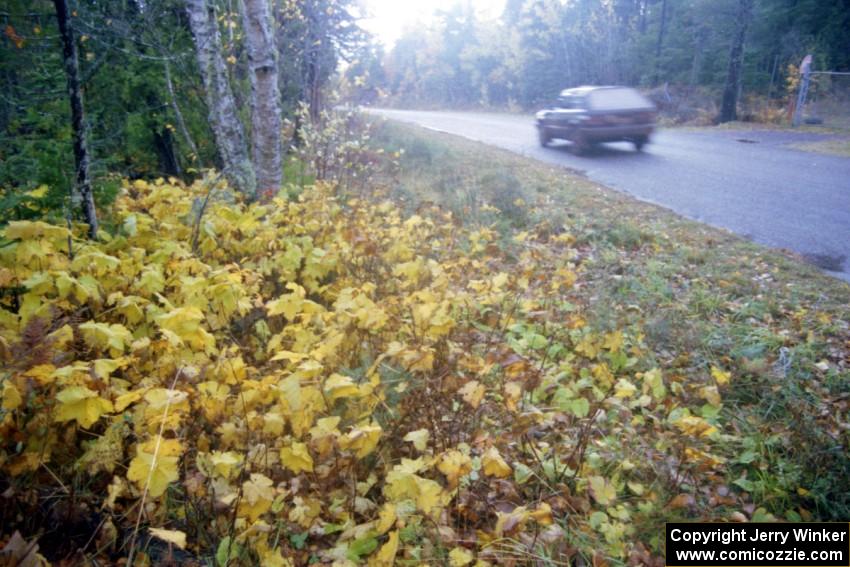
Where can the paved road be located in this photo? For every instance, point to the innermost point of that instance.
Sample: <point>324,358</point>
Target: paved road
<point>750,182</point>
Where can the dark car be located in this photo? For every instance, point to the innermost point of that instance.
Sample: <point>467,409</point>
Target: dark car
<point>590,115</point>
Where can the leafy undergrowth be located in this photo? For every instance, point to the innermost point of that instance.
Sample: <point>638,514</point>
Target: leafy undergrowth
<point>327,381</point>
<point>704,298</point>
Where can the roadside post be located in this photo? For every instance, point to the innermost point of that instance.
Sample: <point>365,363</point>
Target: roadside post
<point>805,72</point>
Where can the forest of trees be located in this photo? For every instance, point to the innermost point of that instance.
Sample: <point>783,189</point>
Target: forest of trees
<point>539,47</point>
<point>97,91</point>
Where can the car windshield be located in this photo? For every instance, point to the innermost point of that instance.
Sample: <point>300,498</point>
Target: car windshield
<point>617,99</point>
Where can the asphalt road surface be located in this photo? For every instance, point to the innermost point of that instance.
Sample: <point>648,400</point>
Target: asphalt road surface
<point>750,182</point>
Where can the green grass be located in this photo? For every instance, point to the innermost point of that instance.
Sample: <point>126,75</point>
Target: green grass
<point>829,147</point>
<point>704,297</point>
<point>784,127</point>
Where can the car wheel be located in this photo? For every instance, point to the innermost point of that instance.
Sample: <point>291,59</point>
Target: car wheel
<point>544,136</point>
<point>579,146</point>
<point>640,143</point>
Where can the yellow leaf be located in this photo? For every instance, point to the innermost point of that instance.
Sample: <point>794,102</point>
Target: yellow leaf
<point>155,465</point>
<point>104,367</point>
<point>124,400</point>
<point>411,271</point>
<point>385,557</point>
<point>271,557</point>
<point>653,382</point>
<point>499,280</point>
<point>428,494</point>
<point>613,341</point>
<point>507,522</point>
<point>624,389</point>
<point>105,336</point>
<point>34,230</point>
<point>273,423</point>
<point>419,438</point>
<point>289,304</point>
<point>494,464</point>
<point>472,393</point>
<point>460,557</point>
<point>61,336</point>
<point>171,536</point>
<point>226,463</point>
<point>513,393</point>
<point>356,303</point>
<point>43,373</point>
<point>38,192</point>
<point>289,356</point>
<point>362,439</point>
<point>104,452</point>
<point>257,496</point>
<point>310,401</point>
<point>588,346</point>
<point>183,325</point>
<point>165,405</point>
<point>322,434</point>
<point>160,398</point>
<point>81,404</point>
<point>694,425</point>
<point>96,262</point>
<point>386,518</point>
<point>305,510</point>
<point>337,386</point>
<point>150,282</point>
<point>543,514</point>
<point>602,491</point>
<point>694,455</point>
<point>722,377</point>
<point>454,465</point>
<point>296,458</point>
<point>710,394</point>
<point>11,397</point>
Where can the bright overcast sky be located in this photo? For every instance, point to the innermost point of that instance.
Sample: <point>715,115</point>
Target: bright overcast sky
<point>387,19</point>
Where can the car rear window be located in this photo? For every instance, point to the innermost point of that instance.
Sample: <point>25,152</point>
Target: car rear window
<point>617,99</point>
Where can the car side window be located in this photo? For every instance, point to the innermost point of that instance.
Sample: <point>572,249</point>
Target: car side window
<point>563,102</point>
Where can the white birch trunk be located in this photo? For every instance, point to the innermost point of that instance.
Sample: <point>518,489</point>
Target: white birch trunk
<point>266,122</point>
<point>229,135</point>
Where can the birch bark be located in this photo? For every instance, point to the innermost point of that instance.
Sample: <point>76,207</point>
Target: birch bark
<point>266,122</point>
<point>224,118</point>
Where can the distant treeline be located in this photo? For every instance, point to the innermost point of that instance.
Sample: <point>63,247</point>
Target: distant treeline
<point>538,47</point>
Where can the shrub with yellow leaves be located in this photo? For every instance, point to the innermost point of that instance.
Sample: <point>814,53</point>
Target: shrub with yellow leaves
<point>264,394</point>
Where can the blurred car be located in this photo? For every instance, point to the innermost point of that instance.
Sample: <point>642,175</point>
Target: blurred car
<point>591,115</point>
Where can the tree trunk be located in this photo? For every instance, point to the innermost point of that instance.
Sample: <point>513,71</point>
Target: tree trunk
<point>266,122</point>
<point>178,115</point>
<point>78,119</point>
<point>224,119</point>
<point>659,44</point>
<point>163,143</point>
<point>700,40</point>
<point>729,105</point>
